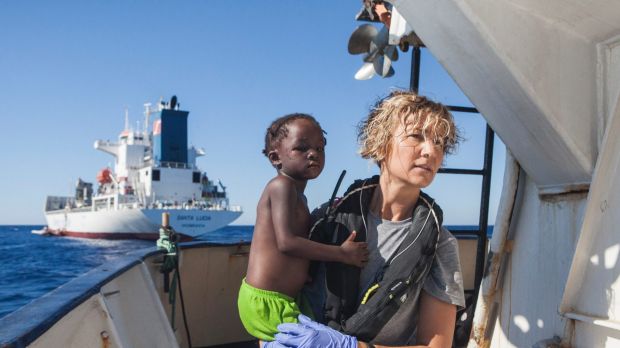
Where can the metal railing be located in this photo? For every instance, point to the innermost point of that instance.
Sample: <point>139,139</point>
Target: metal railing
<point>176,165</point>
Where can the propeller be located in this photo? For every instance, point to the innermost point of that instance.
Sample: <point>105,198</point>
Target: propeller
<point>379,54</point>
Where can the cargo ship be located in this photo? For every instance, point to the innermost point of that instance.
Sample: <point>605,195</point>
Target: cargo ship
<point>154,172</point>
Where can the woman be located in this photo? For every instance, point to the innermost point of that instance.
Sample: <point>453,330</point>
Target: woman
<point>409,292</point>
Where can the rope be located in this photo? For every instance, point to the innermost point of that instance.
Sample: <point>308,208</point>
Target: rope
<point>168,241</point>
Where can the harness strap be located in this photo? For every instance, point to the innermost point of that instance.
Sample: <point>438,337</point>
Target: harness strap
<point>397,281</point>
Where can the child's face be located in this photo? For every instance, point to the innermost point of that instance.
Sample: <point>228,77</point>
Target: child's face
<point>414,158</point>
<point>302,153</point>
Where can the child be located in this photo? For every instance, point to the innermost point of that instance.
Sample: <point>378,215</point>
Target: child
<point>280,251</point>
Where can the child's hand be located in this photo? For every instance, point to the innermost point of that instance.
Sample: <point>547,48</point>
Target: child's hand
<point>354,253</point>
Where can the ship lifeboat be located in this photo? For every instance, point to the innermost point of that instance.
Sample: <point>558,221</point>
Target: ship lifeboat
<point>104,176</point>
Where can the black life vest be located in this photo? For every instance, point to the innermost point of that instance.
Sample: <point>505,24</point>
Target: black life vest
<point>403,276</point>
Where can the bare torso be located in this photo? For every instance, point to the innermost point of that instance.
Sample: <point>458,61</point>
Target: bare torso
<point>269,268</point>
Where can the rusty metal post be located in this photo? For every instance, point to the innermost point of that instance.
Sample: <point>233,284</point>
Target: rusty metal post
<point>499,249</point>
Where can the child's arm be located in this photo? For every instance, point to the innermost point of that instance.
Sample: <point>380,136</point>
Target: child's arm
<point>283,200</point>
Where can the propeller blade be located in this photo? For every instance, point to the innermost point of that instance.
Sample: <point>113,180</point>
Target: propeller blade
<point>391,52</point>
<point>379,54</point>
<point>373,52</point>
<point>367,71</point>
<point>361,38</point>
<point>382,65</point>
<point>382,37</point>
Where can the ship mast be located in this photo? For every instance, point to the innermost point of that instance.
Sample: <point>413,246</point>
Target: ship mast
<point>126,119</point>
<point>147,113</point>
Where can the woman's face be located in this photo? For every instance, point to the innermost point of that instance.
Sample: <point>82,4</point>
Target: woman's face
<point>414,157</point>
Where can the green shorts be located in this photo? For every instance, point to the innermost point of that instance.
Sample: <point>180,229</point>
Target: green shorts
<point>261,311</point>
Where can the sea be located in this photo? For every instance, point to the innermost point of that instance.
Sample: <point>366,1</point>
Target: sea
<point>32,265</point>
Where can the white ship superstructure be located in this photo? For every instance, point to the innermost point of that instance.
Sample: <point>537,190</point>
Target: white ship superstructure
<point>154,172</point>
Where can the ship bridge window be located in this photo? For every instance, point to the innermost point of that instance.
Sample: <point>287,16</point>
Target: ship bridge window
<point>155,174</point>
<point>196,177</point>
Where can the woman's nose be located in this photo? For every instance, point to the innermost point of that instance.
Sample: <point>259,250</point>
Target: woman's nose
<point>428,148</point>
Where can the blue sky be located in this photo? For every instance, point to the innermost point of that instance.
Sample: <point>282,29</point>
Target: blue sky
<point>70,68</point>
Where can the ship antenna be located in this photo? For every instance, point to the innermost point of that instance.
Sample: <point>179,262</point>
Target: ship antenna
<point>147,113</point>
<point>126,118</point>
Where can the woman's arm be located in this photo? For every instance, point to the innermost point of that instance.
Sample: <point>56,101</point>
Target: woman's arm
<point>435,324</point>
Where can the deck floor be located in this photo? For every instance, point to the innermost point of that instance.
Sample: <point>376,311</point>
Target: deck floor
<point>249,344</point>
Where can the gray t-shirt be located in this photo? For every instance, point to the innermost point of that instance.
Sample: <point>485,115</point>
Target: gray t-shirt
<point>444,280</point>
<point>383,238</point>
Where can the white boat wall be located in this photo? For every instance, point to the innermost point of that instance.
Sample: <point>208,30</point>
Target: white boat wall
<point>546,76</point>
<point>124,303</point>
<point>151,176</point>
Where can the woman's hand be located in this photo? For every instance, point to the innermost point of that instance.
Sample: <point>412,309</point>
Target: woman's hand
<point>309,334</point>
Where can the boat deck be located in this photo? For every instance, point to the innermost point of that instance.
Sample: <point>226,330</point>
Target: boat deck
<point>248,344</point>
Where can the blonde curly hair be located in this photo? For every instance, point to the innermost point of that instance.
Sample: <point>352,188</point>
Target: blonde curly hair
<point>375,133</point>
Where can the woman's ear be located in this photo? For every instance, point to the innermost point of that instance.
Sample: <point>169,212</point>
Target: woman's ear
<point>274,158</point>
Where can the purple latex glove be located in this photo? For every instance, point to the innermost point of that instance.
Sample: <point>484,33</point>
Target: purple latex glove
<point>273,344</point>
<point>310,334</point>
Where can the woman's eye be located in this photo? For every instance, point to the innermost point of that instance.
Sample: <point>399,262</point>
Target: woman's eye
<point>320,149</point>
